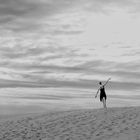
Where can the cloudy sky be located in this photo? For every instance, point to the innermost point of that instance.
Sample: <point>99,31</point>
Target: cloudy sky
<point>70,43</point>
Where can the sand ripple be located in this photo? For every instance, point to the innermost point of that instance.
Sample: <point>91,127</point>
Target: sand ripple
<point>115,124</point>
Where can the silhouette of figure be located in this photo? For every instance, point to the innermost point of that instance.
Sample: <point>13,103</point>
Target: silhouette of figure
<point>103,96</point>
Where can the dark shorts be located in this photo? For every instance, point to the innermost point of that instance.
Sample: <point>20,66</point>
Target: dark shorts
<point>102,96</point>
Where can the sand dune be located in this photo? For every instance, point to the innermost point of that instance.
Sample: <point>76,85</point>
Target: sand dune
<point>115,124</point>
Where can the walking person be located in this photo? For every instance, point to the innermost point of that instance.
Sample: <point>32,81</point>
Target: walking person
<point>103,96</point>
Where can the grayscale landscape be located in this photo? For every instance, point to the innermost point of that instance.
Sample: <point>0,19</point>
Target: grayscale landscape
<point>53,54</point>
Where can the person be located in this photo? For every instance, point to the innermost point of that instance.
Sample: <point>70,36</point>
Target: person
<point>103,96</point>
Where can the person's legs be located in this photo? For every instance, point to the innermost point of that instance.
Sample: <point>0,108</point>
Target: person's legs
<point>104,103</point>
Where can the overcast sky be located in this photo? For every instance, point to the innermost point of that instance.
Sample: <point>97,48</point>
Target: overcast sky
<point>73,43</point>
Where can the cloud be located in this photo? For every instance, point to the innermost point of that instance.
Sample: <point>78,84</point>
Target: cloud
<point>90,70</point>
<point>42,44</point>
<point>18,15</point>
<point>106,6</point>
<point>86,84</point>
<point>18,52</point>
<point>28,15</point>
<point>29,8</point>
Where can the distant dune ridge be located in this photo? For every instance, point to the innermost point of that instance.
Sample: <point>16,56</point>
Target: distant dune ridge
<point>85,124</point>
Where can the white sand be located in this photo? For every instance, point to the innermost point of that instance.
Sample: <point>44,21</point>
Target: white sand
<point>115,124</point>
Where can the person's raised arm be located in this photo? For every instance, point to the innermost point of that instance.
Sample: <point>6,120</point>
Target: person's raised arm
<point>107,81</point>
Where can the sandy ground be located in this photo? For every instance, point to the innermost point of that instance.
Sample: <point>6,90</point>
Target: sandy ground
<point>97,124</point>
